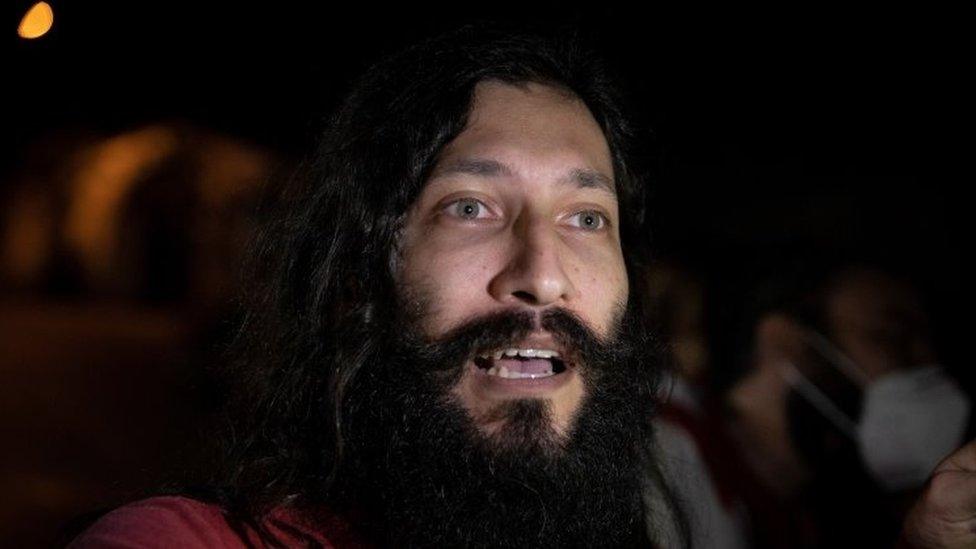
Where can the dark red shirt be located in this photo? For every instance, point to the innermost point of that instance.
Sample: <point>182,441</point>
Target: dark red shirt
<point>172,521</point>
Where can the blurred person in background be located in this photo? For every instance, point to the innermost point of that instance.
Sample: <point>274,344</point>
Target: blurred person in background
<point>843,412</point>
<point>698,461</point>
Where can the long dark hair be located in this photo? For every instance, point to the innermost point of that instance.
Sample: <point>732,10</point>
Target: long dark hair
<point>322,291</point>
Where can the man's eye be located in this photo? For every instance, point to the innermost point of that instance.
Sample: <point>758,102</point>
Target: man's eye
<point>589,220</point>
<point>467,208</point>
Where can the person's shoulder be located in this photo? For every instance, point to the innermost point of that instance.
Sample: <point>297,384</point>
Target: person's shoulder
<point>164,521</point>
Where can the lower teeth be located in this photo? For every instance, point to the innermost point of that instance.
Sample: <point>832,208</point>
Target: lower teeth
<point>503,372</point>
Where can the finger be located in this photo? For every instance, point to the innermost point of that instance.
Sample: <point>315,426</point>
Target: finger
<point>952,495</point>
<point>963,459</point>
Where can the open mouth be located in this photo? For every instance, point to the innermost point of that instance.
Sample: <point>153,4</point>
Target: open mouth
<point>529,363</point>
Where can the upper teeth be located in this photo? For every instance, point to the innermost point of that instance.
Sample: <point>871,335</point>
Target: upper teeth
<point>525,353</point>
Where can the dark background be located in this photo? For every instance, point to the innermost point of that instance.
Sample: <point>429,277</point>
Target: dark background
<point>774,132</point>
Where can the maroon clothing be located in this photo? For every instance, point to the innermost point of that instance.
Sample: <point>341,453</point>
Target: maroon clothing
<point>187,523</point>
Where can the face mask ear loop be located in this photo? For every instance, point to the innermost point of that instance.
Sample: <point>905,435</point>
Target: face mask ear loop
<point>799,383</point>
<point>837,358</point>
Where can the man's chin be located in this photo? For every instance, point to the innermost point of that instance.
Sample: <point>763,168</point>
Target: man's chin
<point>518,427</point>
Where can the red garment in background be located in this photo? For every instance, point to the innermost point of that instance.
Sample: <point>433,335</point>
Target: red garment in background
<point>172,521</point>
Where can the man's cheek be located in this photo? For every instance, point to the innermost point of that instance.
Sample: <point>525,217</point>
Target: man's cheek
<point>602,310</point>
<point>460,291</point>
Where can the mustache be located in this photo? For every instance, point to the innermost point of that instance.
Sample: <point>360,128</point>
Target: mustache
<point>502,329</point>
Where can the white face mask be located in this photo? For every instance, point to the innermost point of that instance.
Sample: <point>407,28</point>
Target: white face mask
<point>910,419</point>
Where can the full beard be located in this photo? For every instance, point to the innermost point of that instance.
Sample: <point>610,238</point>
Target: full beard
<point>420,473</point>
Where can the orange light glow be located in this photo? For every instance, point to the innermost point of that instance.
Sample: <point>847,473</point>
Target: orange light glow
<point>108,172</point>
<point>37,21</point>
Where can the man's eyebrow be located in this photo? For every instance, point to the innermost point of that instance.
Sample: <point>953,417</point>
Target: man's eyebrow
<point>583,178</point>
<point>592,179</point>
<point>475,166</point>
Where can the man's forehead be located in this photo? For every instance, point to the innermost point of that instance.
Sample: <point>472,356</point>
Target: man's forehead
<point>531,108</point>
<point>530,130</point>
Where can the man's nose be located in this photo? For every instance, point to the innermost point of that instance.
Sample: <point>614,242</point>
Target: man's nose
<point>535,271</point>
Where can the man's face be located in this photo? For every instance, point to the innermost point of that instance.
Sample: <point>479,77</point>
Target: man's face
<point>879,322</point>
<point>519,214</point>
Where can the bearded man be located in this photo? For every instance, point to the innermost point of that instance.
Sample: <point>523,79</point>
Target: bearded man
<point>442,349</point>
